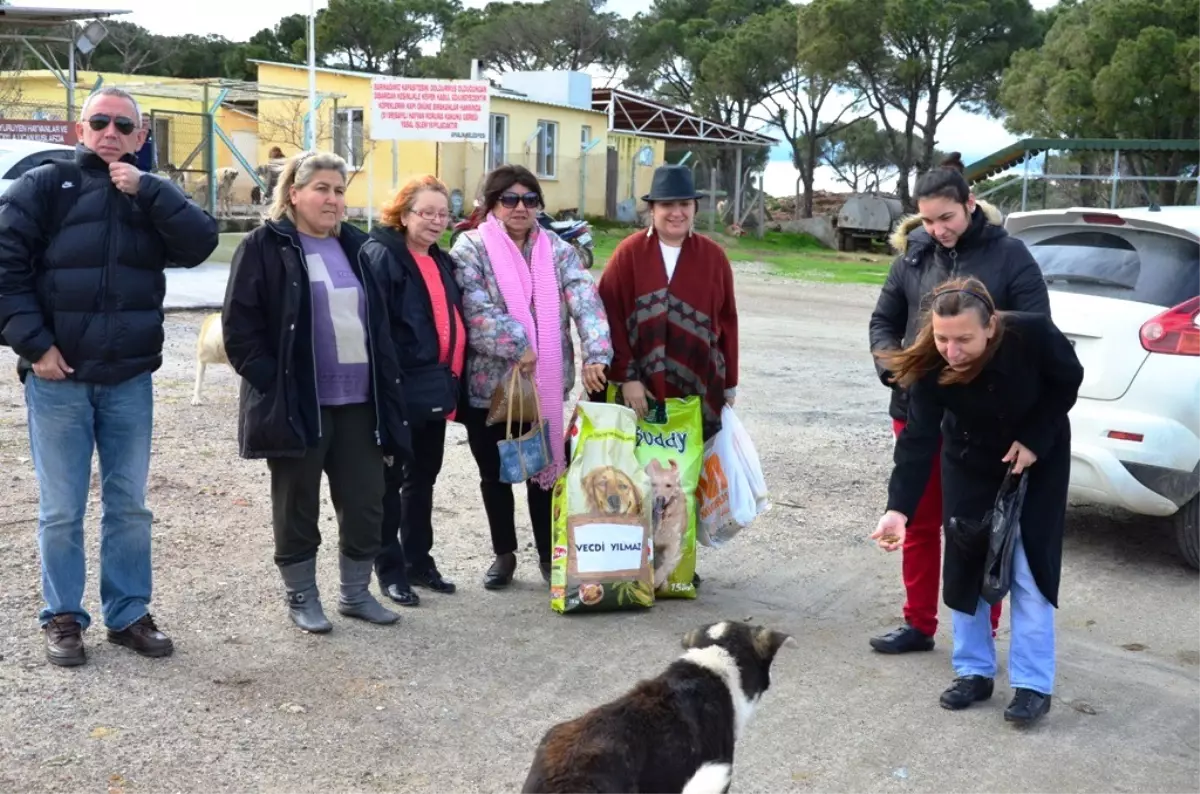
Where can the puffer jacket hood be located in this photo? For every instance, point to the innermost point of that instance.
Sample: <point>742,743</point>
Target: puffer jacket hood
<point>909,227</point>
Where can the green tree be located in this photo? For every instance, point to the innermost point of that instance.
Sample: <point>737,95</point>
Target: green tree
<point>1114,69</point>
<point>383,36</point>
<point>691,54</point>
<point>916,60</point>
<point>860,155</point>
<point>554,35</point>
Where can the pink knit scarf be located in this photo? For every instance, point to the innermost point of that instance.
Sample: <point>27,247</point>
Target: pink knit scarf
<point>536,285</point>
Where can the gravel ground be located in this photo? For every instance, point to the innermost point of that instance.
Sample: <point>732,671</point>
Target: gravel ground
<point>456,696</point>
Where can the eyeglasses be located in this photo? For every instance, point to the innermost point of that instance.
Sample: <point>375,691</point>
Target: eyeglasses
<point>100,121</point>
<point>431,215</point>
<point>530,200</point>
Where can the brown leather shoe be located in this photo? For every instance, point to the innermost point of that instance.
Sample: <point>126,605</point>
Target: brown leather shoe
<point>64,641</point>
<point>144,638</point>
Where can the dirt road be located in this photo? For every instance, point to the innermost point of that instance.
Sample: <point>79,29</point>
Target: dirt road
<point>456,696</point>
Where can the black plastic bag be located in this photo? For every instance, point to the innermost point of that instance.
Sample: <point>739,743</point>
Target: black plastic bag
<point>1004,522</point>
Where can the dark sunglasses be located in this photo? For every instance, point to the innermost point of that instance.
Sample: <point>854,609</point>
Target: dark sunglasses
<point>124,124</point>
<point>530,200</point>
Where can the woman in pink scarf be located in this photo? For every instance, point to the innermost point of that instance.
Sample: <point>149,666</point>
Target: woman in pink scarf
<point>521,284</point>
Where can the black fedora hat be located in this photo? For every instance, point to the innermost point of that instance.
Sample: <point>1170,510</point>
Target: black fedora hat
<point>672,183</point>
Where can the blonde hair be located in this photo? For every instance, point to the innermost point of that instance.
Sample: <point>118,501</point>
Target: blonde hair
<point>401,204</point>
<point>297,172</point>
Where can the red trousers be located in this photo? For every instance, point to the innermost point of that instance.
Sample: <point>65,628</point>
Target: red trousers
<point>921,556</point>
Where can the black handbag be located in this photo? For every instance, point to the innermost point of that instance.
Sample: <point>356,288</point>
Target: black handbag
<point>1005,522</point>
<point>432,392</point>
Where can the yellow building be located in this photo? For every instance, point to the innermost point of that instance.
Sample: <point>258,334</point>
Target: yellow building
<point>177,109</point>
<point>564,145</point>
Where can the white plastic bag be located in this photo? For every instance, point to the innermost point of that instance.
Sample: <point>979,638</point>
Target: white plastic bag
<point>732,491</point>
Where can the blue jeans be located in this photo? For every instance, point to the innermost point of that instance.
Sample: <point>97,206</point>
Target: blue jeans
<point>67,422</point>
<point>1031,650</point>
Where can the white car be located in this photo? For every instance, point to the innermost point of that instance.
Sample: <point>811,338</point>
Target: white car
<point>18,156</point>
<point>1125,288</point>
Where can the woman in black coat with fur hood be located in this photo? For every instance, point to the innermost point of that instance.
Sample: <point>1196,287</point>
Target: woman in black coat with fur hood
<point>953,235</point>
<point>994,388</point>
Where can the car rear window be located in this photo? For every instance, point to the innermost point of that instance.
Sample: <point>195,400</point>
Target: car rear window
<point>37,158</point>
<point>1117,263</point>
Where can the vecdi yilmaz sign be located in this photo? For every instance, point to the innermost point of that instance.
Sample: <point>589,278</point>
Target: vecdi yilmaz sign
<point>412,109</point>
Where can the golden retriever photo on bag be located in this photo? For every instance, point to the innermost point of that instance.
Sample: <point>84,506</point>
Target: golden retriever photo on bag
<point>611,491</point>
<point>669,518</point>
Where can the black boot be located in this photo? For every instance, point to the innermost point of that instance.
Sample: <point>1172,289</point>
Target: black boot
<point>902,640</point>
<point>304,601</point>
<point>1027,707</point>
<point>966,691</point>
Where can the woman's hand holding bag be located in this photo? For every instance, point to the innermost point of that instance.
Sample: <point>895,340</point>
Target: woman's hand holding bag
<point>518,387</point>
<point>526,456</point>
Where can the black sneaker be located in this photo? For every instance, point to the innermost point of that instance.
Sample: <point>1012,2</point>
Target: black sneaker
<point>967,690</point>
<point>64,642</point>
<point>1027,707</point>
<point>903,640</point>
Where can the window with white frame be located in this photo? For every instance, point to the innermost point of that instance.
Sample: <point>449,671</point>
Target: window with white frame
<point>348,136</point>
<point>497,141</point>
<point>547,149</point>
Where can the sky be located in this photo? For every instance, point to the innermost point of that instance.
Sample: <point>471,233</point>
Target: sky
<point>973,135</point>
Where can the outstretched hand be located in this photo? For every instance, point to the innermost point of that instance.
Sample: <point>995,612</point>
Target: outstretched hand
<point>889,534</point>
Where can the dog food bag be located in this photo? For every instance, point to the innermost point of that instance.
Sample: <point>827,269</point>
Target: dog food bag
<point>733,491</point>
<point>671,448</point>
<point>602,557</point>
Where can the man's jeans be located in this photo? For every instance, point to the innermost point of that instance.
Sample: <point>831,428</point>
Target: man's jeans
<point>67,421</point>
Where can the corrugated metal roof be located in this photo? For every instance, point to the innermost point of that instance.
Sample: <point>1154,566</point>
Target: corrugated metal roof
<point>1016,153</point>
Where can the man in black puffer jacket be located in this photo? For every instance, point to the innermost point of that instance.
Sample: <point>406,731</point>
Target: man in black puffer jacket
<point>953,235</point>
<point>83,246</point>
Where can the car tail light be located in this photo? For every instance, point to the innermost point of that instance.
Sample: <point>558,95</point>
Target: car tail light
<point>1122,435</point>
<point>1103,218</point>
<point>1175,331</point>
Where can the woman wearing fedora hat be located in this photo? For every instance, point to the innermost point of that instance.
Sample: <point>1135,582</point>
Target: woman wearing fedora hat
<point>669,298</point>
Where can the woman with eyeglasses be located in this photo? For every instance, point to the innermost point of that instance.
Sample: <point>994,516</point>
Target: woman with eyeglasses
<point>427,332</point>
<point>520,285</point>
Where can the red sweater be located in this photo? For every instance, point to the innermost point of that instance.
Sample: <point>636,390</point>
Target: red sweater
<point>679,339</point>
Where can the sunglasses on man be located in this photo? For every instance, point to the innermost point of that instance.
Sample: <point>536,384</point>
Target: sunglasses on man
<point>100,121</point>
<point>530,200</point>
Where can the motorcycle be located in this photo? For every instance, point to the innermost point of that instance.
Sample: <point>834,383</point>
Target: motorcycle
<point>575,232</point>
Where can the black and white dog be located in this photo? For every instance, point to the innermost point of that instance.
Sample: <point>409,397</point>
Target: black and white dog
<point>673,733</point>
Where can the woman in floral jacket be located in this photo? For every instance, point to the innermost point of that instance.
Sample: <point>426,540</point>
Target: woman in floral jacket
<point>512,274</point>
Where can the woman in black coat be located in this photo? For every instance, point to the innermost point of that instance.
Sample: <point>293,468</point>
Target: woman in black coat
<point>302,323</point>
<point>428,337</point>
<point>1004,383</point>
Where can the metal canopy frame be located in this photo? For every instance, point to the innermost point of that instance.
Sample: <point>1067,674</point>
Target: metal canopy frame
<point>636,115</point>
<point>17,17</point>
<point>1023,153</point>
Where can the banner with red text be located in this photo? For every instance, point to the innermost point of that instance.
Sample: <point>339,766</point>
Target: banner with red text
<point>413,109</point>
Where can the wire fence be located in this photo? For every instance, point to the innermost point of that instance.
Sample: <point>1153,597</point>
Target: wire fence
<point>576,185</point>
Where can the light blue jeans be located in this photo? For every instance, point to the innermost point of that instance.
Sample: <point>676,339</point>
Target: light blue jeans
<point>1031,650</point>
<point>67,422</point>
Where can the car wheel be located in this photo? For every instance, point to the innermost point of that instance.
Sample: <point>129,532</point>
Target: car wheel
<point>1187,532</point>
